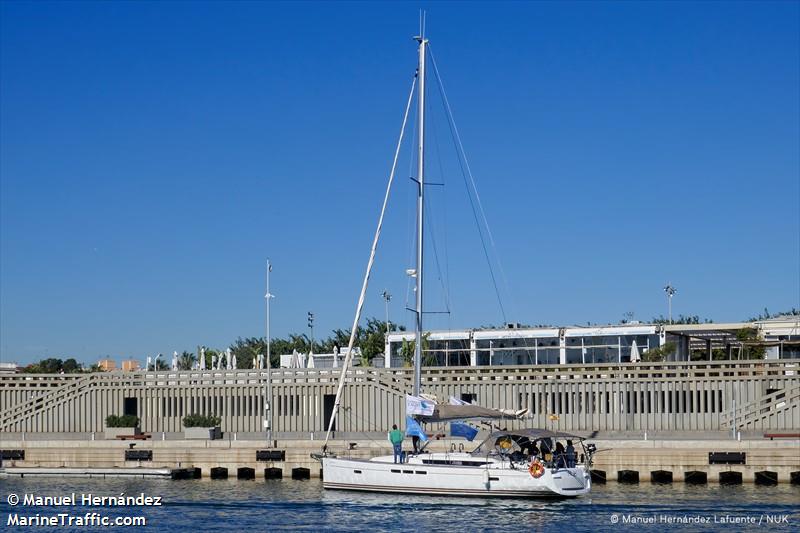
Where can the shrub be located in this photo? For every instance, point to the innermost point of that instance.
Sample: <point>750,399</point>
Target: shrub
<point>124,421</point>
<point>654,355</point>
<point>200,421</point>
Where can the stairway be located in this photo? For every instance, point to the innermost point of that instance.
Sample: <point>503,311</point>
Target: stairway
<point>13,419</point>
<point>760,413</point>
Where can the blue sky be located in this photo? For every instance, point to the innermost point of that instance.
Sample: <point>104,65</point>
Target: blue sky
<point>153,155</point>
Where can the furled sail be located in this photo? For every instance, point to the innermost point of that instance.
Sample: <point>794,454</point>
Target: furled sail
<point>444,412</point>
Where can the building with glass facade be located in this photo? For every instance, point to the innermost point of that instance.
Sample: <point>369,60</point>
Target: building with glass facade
<point>513,345</point>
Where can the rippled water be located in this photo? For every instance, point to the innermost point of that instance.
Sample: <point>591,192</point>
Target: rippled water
<point>304,505</point>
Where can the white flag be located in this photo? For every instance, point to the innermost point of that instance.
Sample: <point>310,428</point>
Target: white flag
<point>416,405</point>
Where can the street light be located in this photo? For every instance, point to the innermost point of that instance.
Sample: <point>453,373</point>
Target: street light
<point>387,298</point>
<point>670,290</point>
<point>268,404</point>
<point>311,327</point>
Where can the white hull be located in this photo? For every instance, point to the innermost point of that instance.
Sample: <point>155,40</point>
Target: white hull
<point>494,478</point>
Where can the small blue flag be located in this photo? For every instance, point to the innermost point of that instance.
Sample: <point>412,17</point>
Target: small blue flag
<point>414,429</point>
<point>460,429</point>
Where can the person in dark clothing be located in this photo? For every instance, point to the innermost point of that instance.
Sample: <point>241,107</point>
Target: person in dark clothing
<point>571,459</point>
<point>545,447</point>
<point>531,450</point>
<point>559,456</point>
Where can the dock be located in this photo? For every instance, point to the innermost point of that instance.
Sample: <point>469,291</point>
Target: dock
<point>620,458</point>
<point>97,472</point>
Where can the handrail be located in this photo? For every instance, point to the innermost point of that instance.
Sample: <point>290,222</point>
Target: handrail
<point>433,375</point>
<point>390,383</point>
<point>763,406</point>
<point>29,407</point>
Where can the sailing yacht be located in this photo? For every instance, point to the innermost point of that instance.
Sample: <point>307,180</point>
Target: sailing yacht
<point>520,463</point>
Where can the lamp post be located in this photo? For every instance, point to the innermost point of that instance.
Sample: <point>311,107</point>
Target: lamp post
<point>670,290</point>
<point>387,298</point>
<point>268,403</point>
<point>311,327</point>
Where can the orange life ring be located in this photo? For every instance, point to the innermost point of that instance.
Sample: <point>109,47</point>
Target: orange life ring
<point>536,469</point>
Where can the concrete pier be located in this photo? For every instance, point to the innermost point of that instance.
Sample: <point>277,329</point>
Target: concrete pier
<point>93,472</point>
<point>618,459</point>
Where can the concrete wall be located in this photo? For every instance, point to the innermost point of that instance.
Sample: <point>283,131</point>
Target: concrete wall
<point>614,456</point>
<point>611,397</point>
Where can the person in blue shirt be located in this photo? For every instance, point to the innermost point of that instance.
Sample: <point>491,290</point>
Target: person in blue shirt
<point>396,438</point>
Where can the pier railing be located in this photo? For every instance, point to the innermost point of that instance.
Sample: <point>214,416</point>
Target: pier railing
<point>758,413</point>
<point>682,396</point>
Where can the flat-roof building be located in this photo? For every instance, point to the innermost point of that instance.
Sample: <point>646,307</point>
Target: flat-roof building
<point>514,345</point>
<point>107,365</point>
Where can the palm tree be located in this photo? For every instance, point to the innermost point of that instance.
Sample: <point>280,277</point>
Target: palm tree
<point>186,360</point>
<point>247,349</point>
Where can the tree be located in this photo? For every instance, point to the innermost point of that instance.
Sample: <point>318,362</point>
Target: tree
<point>301,343</point>
<point>278,347</point>
<point>655,355</point>
<point>210,354</point>
<point>691,319</point>
<point>53,365</point>
<point>407,352</point>
<point>767,315</point>
<point>186,360</point>
<point>372,340</point>
<point>750,347</point>
<point>247,349</point>
<point>160,364</point>
<point>70,366</point>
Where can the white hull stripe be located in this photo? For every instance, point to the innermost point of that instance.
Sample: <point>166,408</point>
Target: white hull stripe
<point>446,492</point>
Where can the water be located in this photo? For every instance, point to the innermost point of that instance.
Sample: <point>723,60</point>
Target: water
<point>189,506</point>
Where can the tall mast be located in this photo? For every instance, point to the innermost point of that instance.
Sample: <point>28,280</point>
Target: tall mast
<point>420,207</point>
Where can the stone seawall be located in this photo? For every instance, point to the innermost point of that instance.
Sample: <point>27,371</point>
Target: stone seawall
<point>660,460</point>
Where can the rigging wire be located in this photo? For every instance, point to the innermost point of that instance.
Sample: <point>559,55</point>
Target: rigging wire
<point>444,280</point>
<point>411,219</point>
<point>465,166</point>
<point>466,172</point>
<point>432,235</point>
<point>365,283</point>
<point>432,229</point>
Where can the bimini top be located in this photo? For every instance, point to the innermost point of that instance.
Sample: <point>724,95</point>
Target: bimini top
<point>533,434</point>
<point>445,412</point>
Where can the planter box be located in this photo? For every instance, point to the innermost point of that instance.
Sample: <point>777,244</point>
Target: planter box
<point>202,433</point>
<point>113,433</point>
